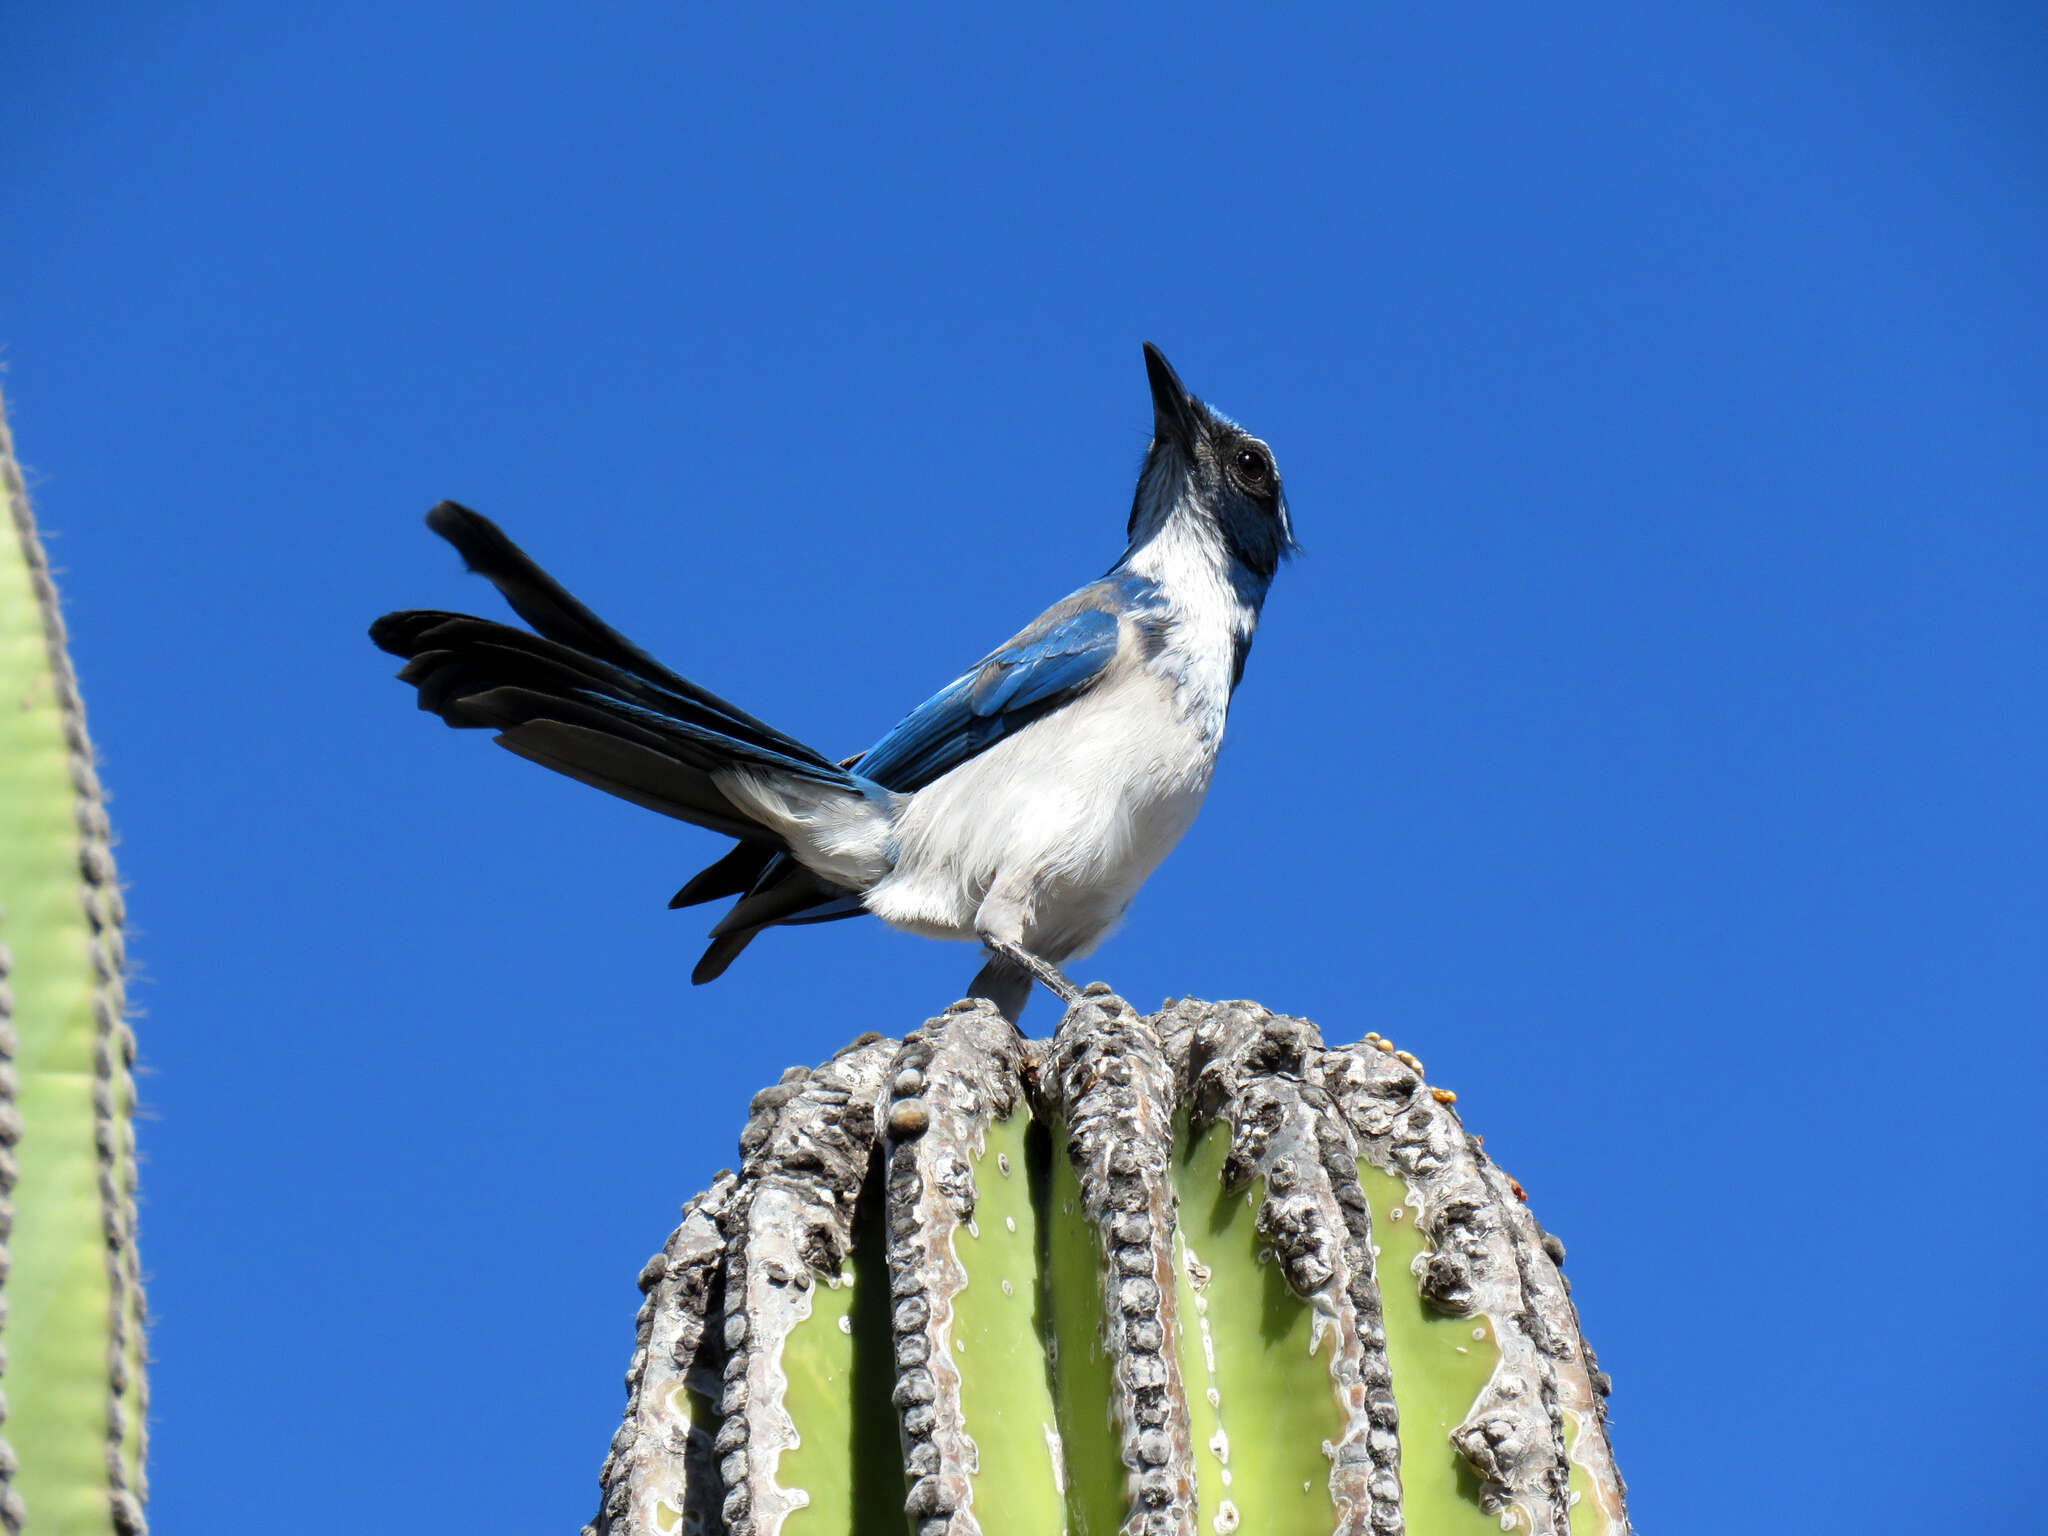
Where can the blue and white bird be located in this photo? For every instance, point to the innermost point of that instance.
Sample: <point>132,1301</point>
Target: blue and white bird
<point>1020,806</point>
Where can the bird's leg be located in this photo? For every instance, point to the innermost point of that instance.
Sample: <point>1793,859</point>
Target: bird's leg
<point>1004,983</point>
<point>1017,955</point>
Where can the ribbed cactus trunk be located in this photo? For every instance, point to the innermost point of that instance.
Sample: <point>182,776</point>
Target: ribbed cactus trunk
<point>72,1457</point>
<point>1191,1273</point>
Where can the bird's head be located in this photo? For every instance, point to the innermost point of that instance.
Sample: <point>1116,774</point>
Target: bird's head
<point>1204,473</point>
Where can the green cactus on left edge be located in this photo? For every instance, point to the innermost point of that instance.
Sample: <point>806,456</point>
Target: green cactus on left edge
<point>71,1446</point>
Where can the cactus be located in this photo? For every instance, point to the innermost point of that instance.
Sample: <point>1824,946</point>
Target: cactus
<point>72,1458</point>
<point>1191,1273</point>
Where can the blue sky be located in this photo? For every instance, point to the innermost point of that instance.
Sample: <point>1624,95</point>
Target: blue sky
<point>1652,737</point>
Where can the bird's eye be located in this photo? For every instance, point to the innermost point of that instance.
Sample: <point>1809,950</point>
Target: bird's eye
<point>1253,467</point>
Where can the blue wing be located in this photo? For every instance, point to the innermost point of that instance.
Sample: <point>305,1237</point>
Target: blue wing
<point>1058,657</point>
<point>1044,667</point>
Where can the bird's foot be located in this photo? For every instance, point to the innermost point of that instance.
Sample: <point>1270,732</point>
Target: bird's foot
<point>1049,975</point>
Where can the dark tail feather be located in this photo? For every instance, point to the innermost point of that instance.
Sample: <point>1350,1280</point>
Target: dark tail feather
<point>606,714</point>
<point>808,900</point>
<point>547,605</point>
<point>722,953</point>
<point>781,891</point>
<point>580,698</point>
<point>475,672</point>
<point>630,771</point>
<point>733,875</point>
<point>782,894</point>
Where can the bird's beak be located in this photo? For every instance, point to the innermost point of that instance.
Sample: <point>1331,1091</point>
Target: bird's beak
<point>1176,418</point>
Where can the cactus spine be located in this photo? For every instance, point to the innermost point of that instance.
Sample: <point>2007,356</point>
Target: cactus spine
<point>1171,1276</point>
<point>72,1457</point>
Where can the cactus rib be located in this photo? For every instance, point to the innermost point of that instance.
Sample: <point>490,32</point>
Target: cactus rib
<point>807,1151</point>
<point>76,1388</point>
<point>660,1474</point>
<point>1246,1071</point>
<point>1109,1082</point>
<point>950,1084</point>
<point>1486,1260</point>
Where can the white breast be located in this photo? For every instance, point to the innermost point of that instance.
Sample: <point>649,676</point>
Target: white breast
<point>1055,828</point>
<point>1045,838</point>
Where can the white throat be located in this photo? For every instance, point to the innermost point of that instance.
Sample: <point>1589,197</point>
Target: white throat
<point>1209,619</point>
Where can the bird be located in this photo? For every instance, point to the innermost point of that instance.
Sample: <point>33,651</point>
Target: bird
<point>1019,807</point>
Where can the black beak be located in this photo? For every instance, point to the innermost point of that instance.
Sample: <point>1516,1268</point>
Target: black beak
<point>1176,418</point>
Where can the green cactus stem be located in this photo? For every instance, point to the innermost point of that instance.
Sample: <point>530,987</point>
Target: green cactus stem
<point>1182,1275</point>
<point>72,1459</point>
